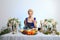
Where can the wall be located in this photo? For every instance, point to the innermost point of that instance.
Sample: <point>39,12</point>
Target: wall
<point>18,8</point>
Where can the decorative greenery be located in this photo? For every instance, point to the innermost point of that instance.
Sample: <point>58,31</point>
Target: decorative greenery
<point>47,32</point>
<point>5,31</point>
<point>57,33</point>
<point>49,25</point>
<point>14,22</point>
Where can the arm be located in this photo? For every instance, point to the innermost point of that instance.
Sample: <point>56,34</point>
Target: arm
<point>35,22</point>
<point>25,22</point>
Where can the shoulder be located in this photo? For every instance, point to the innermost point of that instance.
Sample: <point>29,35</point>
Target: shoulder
<point>26,18</point>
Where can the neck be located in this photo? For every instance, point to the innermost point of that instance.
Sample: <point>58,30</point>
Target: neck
<point>30,16</point>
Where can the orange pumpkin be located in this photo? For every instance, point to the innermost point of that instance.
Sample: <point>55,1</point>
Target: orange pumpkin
<point>29,32</point>
<point>32,32</point>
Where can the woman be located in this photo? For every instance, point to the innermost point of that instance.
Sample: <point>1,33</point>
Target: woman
<point>30,21</point>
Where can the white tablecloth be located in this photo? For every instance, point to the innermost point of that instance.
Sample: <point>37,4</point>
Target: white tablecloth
<point>20,36</point>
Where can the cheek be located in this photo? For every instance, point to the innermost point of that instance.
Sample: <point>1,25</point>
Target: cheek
<point>30,13</point>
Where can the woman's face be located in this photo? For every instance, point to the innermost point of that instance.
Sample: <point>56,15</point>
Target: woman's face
<point>30,13</point>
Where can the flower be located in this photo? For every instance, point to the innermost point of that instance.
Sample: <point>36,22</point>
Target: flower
<point>48,24</point>
<point>13,22</point>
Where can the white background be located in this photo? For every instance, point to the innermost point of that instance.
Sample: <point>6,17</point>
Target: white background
<point>18,8</point>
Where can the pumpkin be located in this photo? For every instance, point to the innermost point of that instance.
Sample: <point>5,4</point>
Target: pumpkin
<point>24,32</point>
<point>32,32</point>
<point>29,32</point>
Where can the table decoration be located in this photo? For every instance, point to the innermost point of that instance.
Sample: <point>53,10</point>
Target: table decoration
<point>29,31</point>
<point>5,31</point>
<point>48,26</point>
<point>14,23</point>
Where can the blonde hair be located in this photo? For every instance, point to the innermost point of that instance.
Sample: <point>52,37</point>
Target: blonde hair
<point>30,10</point>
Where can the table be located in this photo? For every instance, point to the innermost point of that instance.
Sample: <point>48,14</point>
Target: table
<point>20,36</point>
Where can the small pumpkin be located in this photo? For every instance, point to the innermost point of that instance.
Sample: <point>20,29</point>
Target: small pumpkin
<point>29,32</point>
<point>33,32</point>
